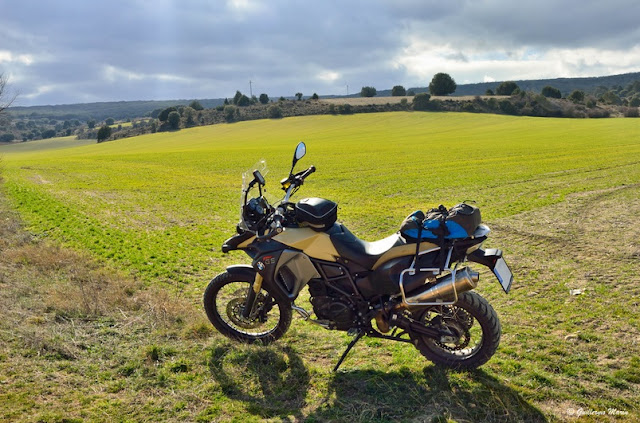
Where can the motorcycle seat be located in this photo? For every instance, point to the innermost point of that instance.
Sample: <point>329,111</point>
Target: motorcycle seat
<point>365,253</point>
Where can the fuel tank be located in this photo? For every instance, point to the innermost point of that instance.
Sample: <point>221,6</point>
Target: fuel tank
<point>315,244</point>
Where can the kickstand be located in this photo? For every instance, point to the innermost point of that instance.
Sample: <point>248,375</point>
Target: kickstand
<point>359,335</point>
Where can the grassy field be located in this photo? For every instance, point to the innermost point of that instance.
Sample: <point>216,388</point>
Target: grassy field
<point>561,196</point>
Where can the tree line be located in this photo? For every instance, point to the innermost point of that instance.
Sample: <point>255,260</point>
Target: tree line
<point>504,97</point>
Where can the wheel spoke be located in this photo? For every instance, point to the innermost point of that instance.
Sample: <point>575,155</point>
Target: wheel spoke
<point>230,303</point>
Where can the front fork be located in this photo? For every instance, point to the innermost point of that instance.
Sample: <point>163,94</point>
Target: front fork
<point>250,301</point>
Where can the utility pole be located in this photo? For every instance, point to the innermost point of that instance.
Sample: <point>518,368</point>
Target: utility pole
<point>250,90</point>
<point>347,89</point>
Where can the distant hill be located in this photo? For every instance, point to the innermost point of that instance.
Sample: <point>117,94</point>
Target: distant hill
<point>119,110</point>
<point>565,85</point>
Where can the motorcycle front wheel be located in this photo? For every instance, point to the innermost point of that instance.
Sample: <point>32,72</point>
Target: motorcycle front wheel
<point>476,330</point>
<point>224,301</point>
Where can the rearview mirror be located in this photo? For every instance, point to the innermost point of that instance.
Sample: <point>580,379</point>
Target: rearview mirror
<point>301,150</point>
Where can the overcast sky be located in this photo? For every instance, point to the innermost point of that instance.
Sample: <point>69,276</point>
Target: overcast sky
<point>64,51</point>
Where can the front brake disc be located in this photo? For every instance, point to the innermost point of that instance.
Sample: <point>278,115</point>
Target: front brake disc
<point>234,312</point>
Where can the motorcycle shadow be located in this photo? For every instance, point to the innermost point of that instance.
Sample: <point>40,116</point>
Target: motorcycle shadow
<point>272,381</point>
<point>436,394</point>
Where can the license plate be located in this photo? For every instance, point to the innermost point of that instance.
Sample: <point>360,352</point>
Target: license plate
<point>503,273</point>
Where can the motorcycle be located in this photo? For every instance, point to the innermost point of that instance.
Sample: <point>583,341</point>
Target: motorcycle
<point>416,284</point>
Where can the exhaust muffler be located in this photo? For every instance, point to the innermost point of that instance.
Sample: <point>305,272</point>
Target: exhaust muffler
<point>442,289</point>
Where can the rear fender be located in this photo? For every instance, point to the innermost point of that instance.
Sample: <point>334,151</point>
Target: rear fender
<point>487,257</point>
<point>492,258</point>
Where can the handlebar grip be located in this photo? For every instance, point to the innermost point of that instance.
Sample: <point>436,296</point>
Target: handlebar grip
<point>277,226</point>
<point>308,172</point>
<point>277,221</point>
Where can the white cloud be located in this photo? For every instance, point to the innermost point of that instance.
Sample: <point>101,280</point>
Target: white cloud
<point>423,60</point>
<point>209,49</point>
<point>114,74</point>
<point>328,76</point>
<point>9,57</point>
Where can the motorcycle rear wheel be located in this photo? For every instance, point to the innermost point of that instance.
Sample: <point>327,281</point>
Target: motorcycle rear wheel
<point>477,326</point>
<point>224,300</point>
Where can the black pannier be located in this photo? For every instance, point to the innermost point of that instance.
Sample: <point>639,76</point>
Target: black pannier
<point>439,224</point>
<point>466,217</point>
<point>319,214</point>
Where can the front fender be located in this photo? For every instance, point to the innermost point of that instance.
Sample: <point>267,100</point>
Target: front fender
<point>244,271</point>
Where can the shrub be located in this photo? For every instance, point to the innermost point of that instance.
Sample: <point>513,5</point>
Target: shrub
<point>468,107</point>
<point>345,109</point>
<point>631,112</point>
<point>551,92</point>
<point>189,115</point>
<point>635,101</point>
<point>421,101</point>
<point>442,84</point>
<point>104,133</point>
<point>195,105</point>
<point>507,88</point>
<point>576,96</point>
<point>598,113</point>
<point>610,97</point>
<point>164,115</point>
<point>237,97</point>
<point>243,101</point>
<point>48,133</point>
<point>274,112</point>
<point>398,91</point>
<point>507,107</point>
<point>368,92</point>
<point>230,113</point>
<point>174,120</point>
<point>315,96</point>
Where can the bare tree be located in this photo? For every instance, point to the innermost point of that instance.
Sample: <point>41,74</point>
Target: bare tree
<point>5,98</point>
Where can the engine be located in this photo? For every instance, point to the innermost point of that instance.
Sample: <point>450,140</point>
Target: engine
<point>328,305</point>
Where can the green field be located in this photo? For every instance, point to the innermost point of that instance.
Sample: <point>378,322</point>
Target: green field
<point>560,195</point>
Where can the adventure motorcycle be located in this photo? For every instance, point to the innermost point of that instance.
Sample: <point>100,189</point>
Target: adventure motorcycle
<point>415,284</point>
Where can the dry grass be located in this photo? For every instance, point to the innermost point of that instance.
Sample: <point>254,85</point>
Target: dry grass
<point>74,333</point>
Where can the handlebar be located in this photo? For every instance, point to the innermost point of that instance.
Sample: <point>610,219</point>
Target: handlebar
<point>307,173</point>
<point>290,184</point>
<point>277,228</point>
